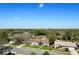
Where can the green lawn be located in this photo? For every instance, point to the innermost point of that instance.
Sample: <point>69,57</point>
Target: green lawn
<point>44,47</point>
<point>47,48</point>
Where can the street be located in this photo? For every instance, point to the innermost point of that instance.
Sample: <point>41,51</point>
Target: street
<point>28,51</point>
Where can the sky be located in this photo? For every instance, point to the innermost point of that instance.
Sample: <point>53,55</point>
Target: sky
<point>39,15</point>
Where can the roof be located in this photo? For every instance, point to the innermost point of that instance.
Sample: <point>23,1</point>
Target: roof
<point>40,41</point>
<point>43,36</point>
<point>65,43</point>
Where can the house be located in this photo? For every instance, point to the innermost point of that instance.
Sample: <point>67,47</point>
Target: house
<point>40,37</point>
<point>64,44</point>
<point>40,40</point>
<point>34,44</point>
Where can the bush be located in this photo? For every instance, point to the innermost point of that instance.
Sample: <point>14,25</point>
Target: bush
<point>66,49</point>
<point>45,53</point>
<point>1,52</point>
<point>10,53</point>
<point>33,53</point>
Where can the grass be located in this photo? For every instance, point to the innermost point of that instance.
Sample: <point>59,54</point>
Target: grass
<point>44,47</point>
<point>47,48</point>
<point>13,46</point>
<point>31,46</point>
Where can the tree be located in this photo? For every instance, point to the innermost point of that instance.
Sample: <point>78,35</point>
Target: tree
<point>68,36</point>
<point>26,38</point>
<point>51,38</point>
<point>18,41</point>
<point>40,32</point>
<point>45,53</point>
<point>1,52</point>
<point>3,37</point>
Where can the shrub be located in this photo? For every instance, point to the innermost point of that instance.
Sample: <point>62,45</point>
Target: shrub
<point>66,49</point>
<point>10,53</point>
<point>45,53</point>
<point>33,53</point>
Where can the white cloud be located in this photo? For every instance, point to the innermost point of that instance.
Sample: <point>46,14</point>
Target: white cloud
<point>16,18</point>
<point>41,5</point>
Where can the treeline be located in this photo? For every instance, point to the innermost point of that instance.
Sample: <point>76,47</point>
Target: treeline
<point>52,34</point>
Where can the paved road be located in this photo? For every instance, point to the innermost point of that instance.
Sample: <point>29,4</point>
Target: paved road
<point>28,51</point>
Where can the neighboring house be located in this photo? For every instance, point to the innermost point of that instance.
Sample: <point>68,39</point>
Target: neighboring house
<point>24,37</point>
<point>40,40</point>
<point>64,44</point>
<point>17,34</point>
<point>43,37</point>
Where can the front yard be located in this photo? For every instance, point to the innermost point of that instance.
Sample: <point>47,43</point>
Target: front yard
<point>63,50</point>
